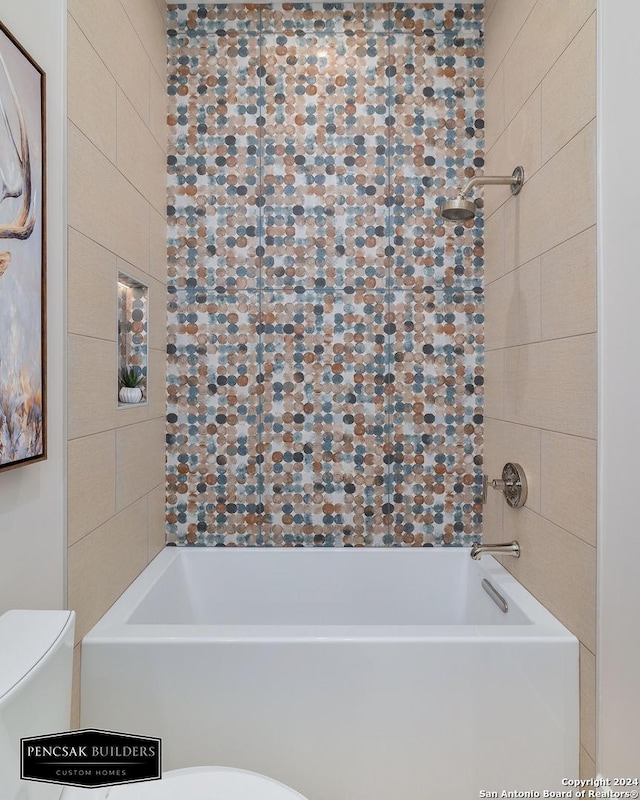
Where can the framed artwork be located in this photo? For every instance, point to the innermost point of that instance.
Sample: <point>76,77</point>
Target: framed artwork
<point>22,256</point>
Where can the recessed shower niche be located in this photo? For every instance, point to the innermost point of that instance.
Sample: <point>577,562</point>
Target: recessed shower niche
<point>133,308</point>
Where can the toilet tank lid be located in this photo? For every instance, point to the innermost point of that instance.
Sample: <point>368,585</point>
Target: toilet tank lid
<point>25,638</point>
<point>204,783</point>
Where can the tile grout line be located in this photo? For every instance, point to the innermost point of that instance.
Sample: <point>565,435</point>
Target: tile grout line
<point>542,430</point>
<point>118,86</point>
<point>591,226</point>
<point>260,348</point>
<point>553,64</point>
<point>386,386</point>
<point>515,36</point>
<point>137,189</point>
<point>148,55</point>
<point>540,341</point>
<point>144,496</point>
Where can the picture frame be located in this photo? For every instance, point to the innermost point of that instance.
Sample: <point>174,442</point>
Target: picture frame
<point>23,256</point>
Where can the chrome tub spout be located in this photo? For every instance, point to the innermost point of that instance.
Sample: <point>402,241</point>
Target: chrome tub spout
<point>506,549</point>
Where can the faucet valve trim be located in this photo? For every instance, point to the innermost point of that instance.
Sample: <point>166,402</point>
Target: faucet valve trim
<point>513,485</point>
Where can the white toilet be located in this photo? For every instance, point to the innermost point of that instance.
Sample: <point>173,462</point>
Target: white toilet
<point>36,657</point>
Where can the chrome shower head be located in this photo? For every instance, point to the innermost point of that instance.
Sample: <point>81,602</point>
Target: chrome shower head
<point>458,210</point>
<point>462,209</point>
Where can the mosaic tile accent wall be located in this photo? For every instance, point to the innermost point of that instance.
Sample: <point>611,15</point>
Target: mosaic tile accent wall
<point>325,326</point>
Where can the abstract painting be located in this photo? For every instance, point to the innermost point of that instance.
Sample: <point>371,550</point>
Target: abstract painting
<point>22,256</point>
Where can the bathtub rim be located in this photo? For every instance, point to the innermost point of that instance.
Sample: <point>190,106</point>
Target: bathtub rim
<point>114,626</point>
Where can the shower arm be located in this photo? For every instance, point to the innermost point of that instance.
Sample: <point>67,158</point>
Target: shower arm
<point>488,180</point>
<point>515,180</point>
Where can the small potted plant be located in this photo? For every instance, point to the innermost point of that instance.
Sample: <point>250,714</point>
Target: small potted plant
<point>130,380</point>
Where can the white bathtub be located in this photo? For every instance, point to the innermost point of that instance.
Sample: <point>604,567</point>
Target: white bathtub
<point>349,674</point>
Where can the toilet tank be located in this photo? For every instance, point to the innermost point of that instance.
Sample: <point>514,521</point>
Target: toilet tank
<point>36,662</point>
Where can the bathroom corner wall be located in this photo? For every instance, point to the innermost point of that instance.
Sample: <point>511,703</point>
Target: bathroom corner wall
<point>541,308</point>
<point>117,135</point>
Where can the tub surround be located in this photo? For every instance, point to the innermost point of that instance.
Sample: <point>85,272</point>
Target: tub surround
<point>541,304</point>
<point>117,144</point>
<point>325,351</point>
<point>306,347</point>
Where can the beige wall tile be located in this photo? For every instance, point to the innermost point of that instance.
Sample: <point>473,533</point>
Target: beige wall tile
<point>559,201</point>
<point>494,262</point>
<point>91,288</point>
<point>92,386</point>
<point>569,287</point>
<point>588,701</point>
<point>512,233</point>
<point>158,108</point>
<point>518,443</point>
<point>127,415</point>
<point>494,109</point>
<point>157,383</point>
<point>140,158</point>
<point>151,30</point>
<point>116,457</point>
<point>103,205</point>
<point>489,6</point>
<point>519,145</point>
<point>492,519</point>
<point>494,383</point>
<point>557,567</point>
<point>91,494</point>
<point>552,385</point>
<point>104,563</point>
<point>564,112</point>
<point>75,691</point>
<point>139,460</point>
<point>501,313</point>
<point>587,765</point>
<point>91,93</point>
<point>547,32</point>
<point>569,483</point>
<point>527,284</point>
<point>513,308</point>
<point>516,224</point>
<point>156,538</point>
<point>109,30</point>
<point>550,229</point>
<point>507,17</point>
<point>158,245</point>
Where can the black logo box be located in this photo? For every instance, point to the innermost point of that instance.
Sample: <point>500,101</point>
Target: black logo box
<point>90,758</point>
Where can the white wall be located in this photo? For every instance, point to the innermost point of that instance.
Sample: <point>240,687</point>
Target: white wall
<point>619,290</point>
<point>32,498</point>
